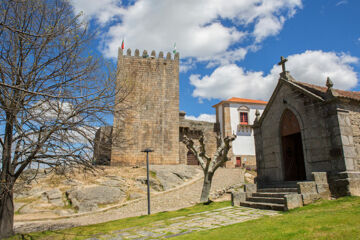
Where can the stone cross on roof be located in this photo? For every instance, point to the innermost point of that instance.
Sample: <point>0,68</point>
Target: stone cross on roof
<point>282,63</point>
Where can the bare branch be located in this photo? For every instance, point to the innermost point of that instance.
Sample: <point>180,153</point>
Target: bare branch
<point>221,153</point>
<point>189,143</point>
<point>47,95</point>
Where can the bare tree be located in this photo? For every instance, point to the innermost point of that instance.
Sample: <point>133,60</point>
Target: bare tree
<point>53,92</point>
<point>209,165</point>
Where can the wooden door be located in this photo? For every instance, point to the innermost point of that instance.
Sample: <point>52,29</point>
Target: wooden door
<point>191,159</point>
<point>292,148</point>
<point>294,167</point>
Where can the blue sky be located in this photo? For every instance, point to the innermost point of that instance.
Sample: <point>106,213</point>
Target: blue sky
<point>231,48</point>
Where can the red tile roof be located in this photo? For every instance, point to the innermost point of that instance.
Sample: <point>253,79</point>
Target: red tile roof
<point>241,100</point>
<point>354,95</point>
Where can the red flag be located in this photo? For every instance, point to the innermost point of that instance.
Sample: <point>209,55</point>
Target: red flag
<point>122,45</point>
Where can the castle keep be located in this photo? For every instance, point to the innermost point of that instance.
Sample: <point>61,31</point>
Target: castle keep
<point>153,120</point>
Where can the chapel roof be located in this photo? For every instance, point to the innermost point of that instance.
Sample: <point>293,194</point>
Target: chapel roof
<point>241,100</point>
<point>321,91</point>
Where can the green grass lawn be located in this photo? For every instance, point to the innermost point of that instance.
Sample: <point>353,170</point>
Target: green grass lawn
<point>104,228</point>
<point>338,219</point>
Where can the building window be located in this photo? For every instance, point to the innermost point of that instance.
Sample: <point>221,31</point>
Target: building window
<point>244,118</point>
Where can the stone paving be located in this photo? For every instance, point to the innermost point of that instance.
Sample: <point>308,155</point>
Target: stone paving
<point>189,223</point>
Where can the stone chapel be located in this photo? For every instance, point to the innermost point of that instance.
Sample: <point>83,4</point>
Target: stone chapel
<point>306,129</point>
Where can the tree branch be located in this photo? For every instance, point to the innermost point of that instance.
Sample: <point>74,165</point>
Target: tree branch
<point>221,153</point>
<point>189,143</point>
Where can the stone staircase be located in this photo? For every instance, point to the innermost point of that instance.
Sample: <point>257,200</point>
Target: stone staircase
<point>282,196</point>
<point>272,198</point>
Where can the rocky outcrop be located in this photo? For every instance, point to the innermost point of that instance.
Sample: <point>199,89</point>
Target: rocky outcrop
<point>54,197</point>
<point>52,194</point>
<point>87,199</point>
<point>171,176</point>
<point>154,183</point>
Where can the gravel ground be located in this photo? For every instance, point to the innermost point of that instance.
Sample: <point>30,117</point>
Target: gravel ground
<point>185,196</point>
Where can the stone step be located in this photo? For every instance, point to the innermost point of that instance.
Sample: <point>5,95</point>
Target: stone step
<point>283,190</point>
<point>287,184</point>
<point>269,195</point>
<point>268,206</point>
<point>266,200</point>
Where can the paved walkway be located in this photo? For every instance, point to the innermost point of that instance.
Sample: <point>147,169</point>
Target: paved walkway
<point>189,223</point>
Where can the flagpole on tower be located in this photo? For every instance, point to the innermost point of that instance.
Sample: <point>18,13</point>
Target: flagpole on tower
<point>174,50</point>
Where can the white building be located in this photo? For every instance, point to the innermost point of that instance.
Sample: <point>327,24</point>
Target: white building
<point>236,116</point>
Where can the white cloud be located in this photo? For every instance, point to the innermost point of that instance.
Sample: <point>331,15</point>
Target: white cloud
<point>342,2</point>
<point>231,81</point>
<point>187,64</point>
<point>315,66</point>
<point>268,26</point>
<point>311,67</point>
<point>203,117</point>
<point>227,57</point>
<point>103,11</point>
<point>198,27</point>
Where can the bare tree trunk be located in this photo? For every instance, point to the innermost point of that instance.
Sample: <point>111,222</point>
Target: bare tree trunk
<point>206,187</point>
<point>6,184</point>
<point>6,211</point>
<point>209,165</point>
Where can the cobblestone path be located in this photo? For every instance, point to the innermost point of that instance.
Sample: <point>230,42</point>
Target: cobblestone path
<point>185,224</point>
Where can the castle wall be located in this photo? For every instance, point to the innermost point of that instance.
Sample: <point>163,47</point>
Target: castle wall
<point>194,129</point>
<point>153,119</point>
<point>103,145</point>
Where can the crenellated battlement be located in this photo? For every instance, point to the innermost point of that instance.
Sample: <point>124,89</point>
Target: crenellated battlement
<point>146,55</point>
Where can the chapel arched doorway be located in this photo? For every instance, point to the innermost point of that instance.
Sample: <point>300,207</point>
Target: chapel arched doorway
<point>292,148</point>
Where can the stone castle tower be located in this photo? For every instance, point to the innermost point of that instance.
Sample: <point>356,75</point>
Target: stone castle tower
<point>153,119</point>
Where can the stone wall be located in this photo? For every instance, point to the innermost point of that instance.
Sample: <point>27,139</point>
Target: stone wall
<point>347,182</point>
<point>103,145</point>
<point>249,161</point>
<point>354,123</point>
<point>193,129</point>
<point>153,120</point>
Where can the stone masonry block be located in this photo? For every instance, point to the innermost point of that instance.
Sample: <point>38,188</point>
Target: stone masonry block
<point>237,197</point>
<point>307,187</point>
<point>250,188</point>
<point>293,201</point>
<point>323,190</point>
<point>320,177</point>
<point>354,186</point>
<point>309,198</point>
